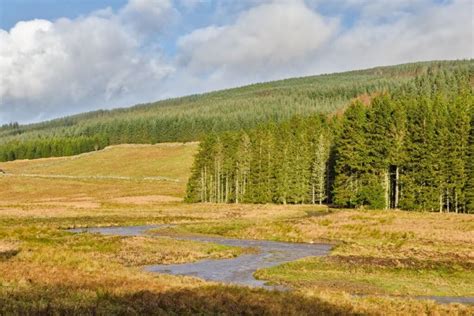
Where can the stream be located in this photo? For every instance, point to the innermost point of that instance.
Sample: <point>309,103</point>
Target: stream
<point>239,270</point>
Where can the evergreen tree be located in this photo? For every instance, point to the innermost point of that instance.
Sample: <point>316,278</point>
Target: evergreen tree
<point>260,189</point>
<point>470,165</point>
<point>299,161</point>
<point>282,159</point>
<point>351,156</point>
<point>418,179</point>
<point>242,166</point>
<point>319,151</point>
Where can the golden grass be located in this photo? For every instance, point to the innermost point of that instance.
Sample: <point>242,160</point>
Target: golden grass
<point>395,234</point>
<point>168,160</point>
<point>136,251</point>
<point>51,271</point>
<point>8,249</point>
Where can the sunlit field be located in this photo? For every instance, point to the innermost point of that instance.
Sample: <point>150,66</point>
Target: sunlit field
<point>382,262</point>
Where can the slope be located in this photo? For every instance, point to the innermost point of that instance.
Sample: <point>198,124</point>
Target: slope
<point>125,173</point>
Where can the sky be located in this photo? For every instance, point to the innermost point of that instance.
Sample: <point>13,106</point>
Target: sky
<point>61,57</point>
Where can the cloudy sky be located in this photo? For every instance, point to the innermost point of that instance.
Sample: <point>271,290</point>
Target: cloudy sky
<point>59,57</point>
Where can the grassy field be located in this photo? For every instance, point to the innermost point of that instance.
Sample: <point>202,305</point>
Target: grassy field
<point>380,259</point>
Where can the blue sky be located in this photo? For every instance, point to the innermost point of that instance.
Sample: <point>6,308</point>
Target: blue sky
<point>13,11</point>
<point>59,57</point>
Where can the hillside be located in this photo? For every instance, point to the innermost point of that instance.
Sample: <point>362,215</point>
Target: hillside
<point>168,161</point>
<point>132,173</point>
<point>189,118</point>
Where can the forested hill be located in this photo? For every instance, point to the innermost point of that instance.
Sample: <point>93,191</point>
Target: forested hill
<point>189,118</point>
<point>411,148</point>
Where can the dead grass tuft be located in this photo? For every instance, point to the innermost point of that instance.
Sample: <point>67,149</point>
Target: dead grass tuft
<point>8,249</point>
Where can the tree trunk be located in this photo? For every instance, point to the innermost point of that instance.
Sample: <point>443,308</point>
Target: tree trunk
<point>236,187</point>
<point>328,189</point>
<point>387,189</point>
<point>321,186</point>
<point>244,185</point>
<point>205,184</point>
<point>441,203</point>
<point>447,200</point>
<point>202,185</point>
<point>397,174</point>
<point>456,201</point>
<point>218,183</point>
<point>227,188</point>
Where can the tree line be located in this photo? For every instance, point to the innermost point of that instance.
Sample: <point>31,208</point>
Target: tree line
<point>52,147</point>
<point>411,149</point>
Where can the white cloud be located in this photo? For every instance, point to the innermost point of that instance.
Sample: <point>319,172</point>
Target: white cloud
<point>261,43</point>
<point>433,33</point>
<point>69,66</point>
<point>148,16</point>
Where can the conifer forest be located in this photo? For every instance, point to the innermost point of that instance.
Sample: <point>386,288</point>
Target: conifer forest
<point>409,148</point>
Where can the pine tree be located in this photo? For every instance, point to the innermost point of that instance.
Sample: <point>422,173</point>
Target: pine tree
<point>351,156</point>
<point>299,161</point>
<point>260,188</point>
<point>469,190</point>
<point>242,166</point>
<point>283,161</point>
<point>319,152</point>
<point>411,149</point>
<point>456,155</point>
<point>419,183</point>
<point>199,183</point>
<point>382,133</point>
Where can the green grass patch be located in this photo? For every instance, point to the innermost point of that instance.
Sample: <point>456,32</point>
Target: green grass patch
<point>372,278</point>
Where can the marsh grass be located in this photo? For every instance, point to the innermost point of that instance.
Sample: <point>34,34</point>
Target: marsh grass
<point>367,278</point>
<point>375,252</point>
<point>47,270</point>
<point>136,251</point>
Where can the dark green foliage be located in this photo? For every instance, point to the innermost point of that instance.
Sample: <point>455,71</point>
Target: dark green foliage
<point>190,118</point>
<point>351,157</point>
<point>470,165</point>
<point>285,163</point>
<point>52,147</point>
<point>261,179</point>
<point>411,148</point>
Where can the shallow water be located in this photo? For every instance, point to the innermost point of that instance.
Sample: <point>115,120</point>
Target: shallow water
<point>240,270</point>
<point>237,270</point>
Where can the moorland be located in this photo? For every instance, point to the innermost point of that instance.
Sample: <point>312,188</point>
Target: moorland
<point>382,262</point>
